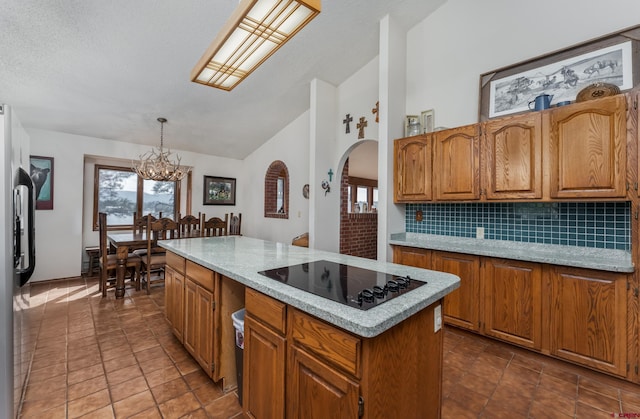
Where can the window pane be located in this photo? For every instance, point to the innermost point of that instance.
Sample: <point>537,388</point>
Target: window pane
<point>159,197</point>
<point>375,198</point>
<point>362,194</point>
<point>280,196</point>
<point>117,195</point>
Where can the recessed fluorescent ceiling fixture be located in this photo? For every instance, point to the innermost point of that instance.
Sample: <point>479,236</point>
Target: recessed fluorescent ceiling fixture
<point>255,30</point>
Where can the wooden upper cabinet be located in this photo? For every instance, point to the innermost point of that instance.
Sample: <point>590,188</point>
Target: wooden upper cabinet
<point>456,164</point>
<point>513,157</point>
<point>587,144</point>
<point>412,168</point>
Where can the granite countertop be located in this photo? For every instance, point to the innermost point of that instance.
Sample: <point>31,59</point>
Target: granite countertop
<point>580,257</point>
<point>241,258</point>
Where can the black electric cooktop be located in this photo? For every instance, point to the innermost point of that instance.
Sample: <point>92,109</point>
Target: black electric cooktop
<point>355,287</point>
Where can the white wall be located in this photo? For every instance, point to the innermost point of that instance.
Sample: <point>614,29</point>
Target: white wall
<point>291,146</point>
<point>59,232</point>
<point>447,52</point>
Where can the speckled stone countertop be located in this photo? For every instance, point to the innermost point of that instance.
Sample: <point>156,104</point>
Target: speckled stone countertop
<point>581,257</point>
<point>241,258</point>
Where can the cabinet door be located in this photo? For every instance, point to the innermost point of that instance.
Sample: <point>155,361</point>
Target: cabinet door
<point>199,324</point>
<point>588,147</point>
<point>263,371</point>
<point>174,303</point>
<point>589,319</point>
<point>316,390</point>
<point>513,157</point>
<point>411,256</point>
<point>412,169</point>
<point>461,307</point>
<point>456,164</point>
<point>190,316</point>
<point>512,301</point>
<point>204,329</point>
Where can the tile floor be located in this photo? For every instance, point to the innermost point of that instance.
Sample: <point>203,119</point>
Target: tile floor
<point>106,358</point>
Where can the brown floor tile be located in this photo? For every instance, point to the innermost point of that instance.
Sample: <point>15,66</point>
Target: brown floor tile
<point>557,400</point>
<point>208,392</point>
<point>452,409</point>
<point>56,412</point>
<point>162,376</point>
<point>128,388</point>
<point>198,414</point>
<point>469,399</point>
<point>87,387</point>
<point>598,400</point>
<point>88,404</point>
<point>197,379</point>
<point>85,374</point>
<point>152,413</point>
<point>598,387</point>
<point>123,374</point>
<point>479,384</point>
<point>133,404</point>
<point>587,411</point>
<point>180,406</point>
<point>104,413</point>
<point>225,407</point>
<point>169,390</point>
<point>543,411</point>
<point>119,363</point>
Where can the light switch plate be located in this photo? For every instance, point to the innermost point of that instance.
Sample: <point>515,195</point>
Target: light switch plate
<point>437,318</point>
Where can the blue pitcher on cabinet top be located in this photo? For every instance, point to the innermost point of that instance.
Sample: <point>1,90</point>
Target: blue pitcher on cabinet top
<point>541,102</point>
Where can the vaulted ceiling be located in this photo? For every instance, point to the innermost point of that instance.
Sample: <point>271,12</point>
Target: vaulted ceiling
<point>109,69</point>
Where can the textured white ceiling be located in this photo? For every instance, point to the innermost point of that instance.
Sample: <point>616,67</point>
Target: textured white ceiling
<point>109,69</point>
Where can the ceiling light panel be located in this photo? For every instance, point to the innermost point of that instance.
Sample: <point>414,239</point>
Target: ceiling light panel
<point>254,32</point>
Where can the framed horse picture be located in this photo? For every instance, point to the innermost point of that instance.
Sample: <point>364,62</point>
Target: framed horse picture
<point>219,191</point>
<point>612,59</point>
<point>41,171</point>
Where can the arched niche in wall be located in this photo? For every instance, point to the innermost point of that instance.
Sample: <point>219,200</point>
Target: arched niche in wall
<point>276,191</point>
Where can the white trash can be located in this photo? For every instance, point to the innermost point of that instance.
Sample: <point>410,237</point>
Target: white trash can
<point>238,325</point>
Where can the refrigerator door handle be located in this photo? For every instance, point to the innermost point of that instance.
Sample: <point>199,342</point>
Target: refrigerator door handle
<point>24,179</point>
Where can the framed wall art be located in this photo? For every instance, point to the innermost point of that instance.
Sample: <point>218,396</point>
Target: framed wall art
<point>428,120</point>
<point>41,171</point>
<point>219,191</point>
<point>612,59</point>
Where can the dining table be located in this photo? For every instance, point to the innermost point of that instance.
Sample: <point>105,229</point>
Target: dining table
<point>124,241</point>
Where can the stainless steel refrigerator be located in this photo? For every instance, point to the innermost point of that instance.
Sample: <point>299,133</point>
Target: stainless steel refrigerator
<point>17,258</point>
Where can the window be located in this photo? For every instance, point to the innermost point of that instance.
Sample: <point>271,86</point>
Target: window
<point>120,193</point>
<point>276,191</point>
<point>364,193</point>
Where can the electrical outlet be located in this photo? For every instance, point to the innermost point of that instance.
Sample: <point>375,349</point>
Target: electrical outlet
<point>479,232</point>
<point>437,318</point>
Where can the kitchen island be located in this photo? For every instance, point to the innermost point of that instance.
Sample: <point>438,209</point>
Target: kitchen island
<point>382,362</point>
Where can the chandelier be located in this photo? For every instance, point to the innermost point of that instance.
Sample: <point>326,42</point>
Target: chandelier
<point>156,164</point>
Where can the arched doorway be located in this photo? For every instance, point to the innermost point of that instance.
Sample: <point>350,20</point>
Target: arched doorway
<point>359,200</point>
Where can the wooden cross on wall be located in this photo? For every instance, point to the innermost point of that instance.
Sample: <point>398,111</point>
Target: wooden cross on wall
<point>361,125</point>
<point>376,110</point>
<point>348,118</point>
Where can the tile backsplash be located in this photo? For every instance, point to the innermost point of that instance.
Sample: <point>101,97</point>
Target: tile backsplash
<point>586,224</point>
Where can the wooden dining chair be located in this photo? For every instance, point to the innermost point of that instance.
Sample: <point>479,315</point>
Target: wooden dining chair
<point>234,224</point>
<point>109,262</point>
<point>154,261</point>
<point>214,226</point>
<point>188,226</point>
<point>140,223</point>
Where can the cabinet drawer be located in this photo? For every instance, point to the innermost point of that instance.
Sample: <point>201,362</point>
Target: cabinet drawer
<point>333,345</point>
<point>266,309</point>
<point>200,275</point>
<point>176,262</point>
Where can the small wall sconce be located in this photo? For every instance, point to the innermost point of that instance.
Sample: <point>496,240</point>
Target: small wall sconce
<point>325,185</point>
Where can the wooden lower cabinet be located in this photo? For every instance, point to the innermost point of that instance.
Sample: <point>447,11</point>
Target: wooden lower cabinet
<point>263,371</point>
<point>199,325</point>
<point>583,316</point>
<point>512,301</point>
<point>589,318</point>
<point>462,306</point>
<point>174,300</point>
<point>316,390</point>
<point>331,373</point>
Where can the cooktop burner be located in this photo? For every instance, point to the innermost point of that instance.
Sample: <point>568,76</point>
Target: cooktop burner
<point>355,287</point>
